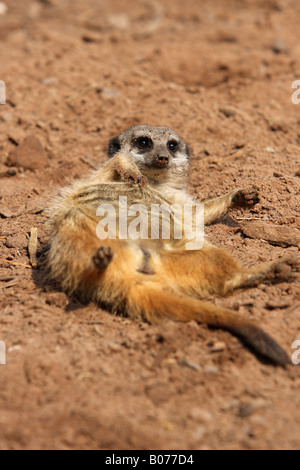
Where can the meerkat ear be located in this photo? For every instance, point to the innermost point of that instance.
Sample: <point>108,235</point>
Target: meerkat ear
<point>114,146</point>
<point>188,150</point>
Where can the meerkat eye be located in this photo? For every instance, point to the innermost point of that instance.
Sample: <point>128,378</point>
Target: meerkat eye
<point>143,143</point>
<point>173,146</point>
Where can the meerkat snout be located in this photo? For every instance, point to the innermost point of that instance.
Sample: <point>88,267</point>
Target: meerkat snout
<point>161,157</point>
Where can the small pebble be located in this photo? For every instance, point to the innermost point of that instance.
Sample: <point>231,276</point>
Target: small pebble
<point>5,213</point>
<point>218,346</point>
<point>212,370</point>
<point>203,416</point>
<point>244,410</point>
<point>199,433</point>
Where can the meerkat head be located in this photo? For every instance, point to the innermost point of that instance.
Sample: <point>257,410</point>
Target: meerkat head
<point>157,151</point>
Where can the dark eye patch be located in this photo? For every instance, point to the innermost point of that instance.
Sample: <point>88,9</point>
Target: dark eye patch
<point>173,146</point>
<point>114,147</point>
<point>143,143</point>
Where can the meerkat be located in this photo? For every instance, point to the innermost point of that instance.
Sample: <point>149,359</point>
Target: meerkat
<point>154,279</point>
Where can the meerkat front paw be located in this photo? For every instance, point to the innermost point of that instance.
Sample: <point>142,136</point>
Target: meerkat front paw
<point>245,197</point>
<point>134,177</point>
<point>103,257</point>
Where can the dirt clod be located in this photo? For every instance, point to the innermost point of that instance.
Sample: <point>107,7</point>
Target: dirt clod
<point>279,235</point>
<point>29,155</point>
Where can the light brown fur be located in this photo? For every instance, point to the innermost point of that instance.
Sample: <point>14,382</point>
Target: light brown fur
<point>153,279</point>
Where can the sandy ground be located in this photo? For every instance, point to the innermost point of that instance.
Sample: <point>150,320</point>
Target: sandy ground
<point>76,74</point>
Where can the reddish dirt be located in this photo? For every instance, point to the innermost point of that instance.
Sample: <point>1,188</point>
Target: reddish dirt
<point>78,73</point>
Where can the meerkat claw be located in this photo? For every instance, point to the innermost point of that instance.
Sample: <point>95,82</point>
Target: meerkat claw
<point>287,269</point>
<point>135,178</point>
<point>246,197</point>
<point>283,270</point>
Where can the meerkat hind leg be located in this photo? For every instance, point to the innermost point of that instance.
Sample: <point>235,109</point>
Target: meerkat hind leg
<point>103,257</point>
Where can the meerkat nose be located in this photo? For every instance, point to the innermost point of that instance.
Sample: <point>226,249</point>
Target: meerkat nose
<point>162,159</point>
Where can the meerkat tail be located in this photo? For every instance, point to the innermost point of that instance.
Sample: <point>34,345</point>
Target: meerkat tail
<point>156,303</point>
